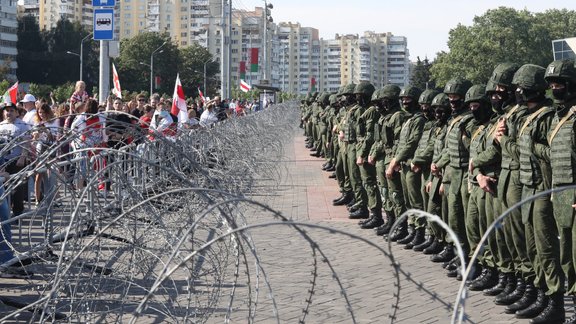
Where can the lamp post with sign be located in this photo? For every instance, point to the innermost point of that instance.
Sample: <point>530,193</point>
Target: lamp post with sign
<point>104,32</point>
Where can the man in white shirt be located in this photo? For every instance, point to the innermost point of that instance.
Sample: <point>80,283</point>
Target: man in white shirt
<point>13,132</point>
<point>29,103</point>
<point>209,116</point>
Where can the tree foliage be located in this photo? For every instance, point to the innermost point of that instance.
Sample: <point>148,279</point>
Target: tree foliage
<point>421,76</point>
<point>133,65</point>
<point>501,35</point>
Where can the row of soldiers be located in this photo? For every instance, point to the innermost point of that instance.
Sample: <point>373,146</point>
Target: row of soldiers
<point>466,154</point>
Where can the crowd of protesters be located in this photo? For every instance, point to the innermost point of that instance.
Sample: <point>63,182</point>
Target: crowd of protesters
<point>80,129</point>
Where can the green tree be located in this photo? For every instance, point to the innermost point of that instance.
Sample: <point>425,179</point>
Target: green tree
<point>421,75</point>
<point>499,35</point>
<point>133,65</point>
<point>192,59</point>
<point>33,59</point>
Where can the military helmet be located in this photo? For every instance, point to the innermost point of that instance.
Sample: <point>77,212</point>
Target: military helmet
<point>364,88</point>
<point>348,89</point>
<point>376,95</point>
<point>427,96</point>
<point>562,70</point>
<point>441,99</point>
<point>490,87</point>
<point>410,91</point>
<point>340,90</point>
<point>390,91</point>
<point>503,74</point>
<point>323,98</point>
<point>530,77</point>
<point>457,86</point>
<point>333,99</point>
<point>476,92</point>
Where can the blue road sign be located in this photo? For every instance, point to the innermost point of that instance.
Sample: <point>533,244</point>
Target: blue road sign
<point>103,3</point>
<point>104,24</point>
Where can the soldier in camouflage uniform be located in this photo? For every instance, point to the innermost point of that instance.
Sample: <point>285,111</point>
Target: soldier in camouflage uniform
<point>331,148</point>
<point>365,129</point>
<point>420,163</point>
<point>484,167</point>
<point>342,172</point>
<point>535,175</point>
<point>454,161</point>
<point>561,76</point>
<point>390,133</point>
<point>317,110</point>
<point>438,202</point>
<point>355,134</point>
<point>411,181</point>
<point>386,133</point>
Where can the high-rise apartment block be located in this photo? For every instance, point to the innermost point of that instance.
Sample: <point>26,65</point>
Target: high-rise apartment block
<point>286,55</point>
<point>8,36</point>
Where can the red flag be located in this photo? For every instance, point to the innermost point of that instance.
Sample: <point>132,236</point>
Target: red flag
<point>11,95</point>
<point>179,102</point>
<point>201,95</point>
<point>117,90</point>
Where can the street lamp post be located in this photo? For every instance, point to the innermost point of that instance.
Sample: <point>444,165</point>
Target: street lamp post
<point>205,63</point>
<point>152,66</point>
<point>82,53</point>
<point>265,54</point>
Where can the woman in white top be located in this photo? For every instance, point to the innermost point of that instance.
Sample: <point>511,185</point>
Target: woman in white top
<point>44,135</point>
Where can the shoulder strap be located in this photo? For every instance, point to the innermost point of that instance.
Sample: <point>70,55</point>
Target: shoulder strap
<point>530,118</point>
<point>453,122</point>
<point>560,123</point>
<point>477,132</point>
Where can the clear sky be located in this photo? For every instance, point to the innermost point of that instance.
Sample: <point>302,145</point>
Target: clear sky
<point>425,23</point>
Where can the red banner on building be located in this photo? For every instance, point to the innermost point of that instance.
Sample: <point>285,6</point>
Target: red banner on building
<point>254,60</point>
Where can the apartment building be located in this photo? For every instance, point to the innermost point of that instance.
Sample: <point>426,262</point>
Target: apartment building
<point>8,36</point>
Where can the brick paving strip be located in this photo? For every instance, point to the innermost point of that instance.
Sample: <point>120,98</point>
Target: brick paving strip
<point>304,194</point>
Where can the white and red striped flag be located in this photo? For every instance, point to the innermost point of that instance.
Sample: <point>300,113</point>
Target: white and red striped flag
<point>117,90</point>
<point>245,87</point>
<point>201,96</point>
<point>11,95</point>
<point>179,107</point>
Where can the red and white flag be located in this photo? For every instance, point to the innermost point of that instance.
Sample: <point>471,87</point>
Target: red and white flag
<point>179,107</point>
<point>117,90</point>
<point>245,87</point>
<point>11,95</point>
<point>201,95</point>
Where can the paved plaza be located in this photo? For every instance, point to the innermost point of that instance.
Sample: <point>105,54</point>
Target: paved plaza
<point>306,283</point>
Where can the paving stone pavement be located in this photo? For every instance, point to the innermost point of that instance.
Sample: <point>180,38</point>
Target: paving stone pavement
<point>312,285</point>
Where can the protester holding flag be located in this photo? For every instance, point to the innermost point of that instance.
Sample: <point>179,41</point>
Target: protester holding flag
<point>179,108</point>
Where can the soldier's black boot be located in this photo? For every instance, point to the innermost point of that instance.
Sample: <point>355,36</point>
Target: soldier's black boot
<point>572,319</point>
<point>385,229</point>
<point>331,168</point>
<point>361,212</point>
<point>375,221</point>
<point>474,282</point>
<point>409,237</point>
<point>445,255</point>
<point>428,242</point>
<point>341,197</point>
<point>536,307</point>
<point>345,199</point>
<point>400,232</point>
<point>554,311</point>
<point>351,203</point>
<point>489,279</point>
<point>527,299</point>
<point>435,248</point>
<point>499,286</point>
<point>418,239</point>
<point>510,298</point>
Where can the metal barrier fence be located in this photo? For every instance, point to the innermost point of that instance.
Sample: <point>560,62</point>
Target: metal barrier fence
<point>157,230</point>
